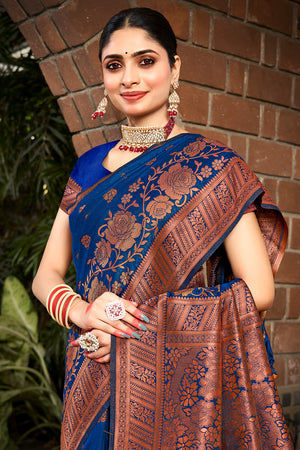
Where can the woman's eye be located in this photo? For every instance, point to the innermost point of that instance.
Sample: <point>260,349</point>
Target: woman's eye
<point>113,66</point>
<point>147,61</point>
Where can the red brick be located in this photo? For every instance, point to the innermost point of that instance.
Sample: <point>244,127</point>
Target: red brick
<point>50,34</point>
<point>239,145</point>
<point>78,21</point>
<point>177,13</point>
<point>96,137</point>
<point>238,8</point>
<point>112,134</point>
<point>270,185</point>
<point>208,132</point>
<point>289,194</point>
<point>296,102</point>
<point>194,104</point>
<point>86,67</point>
<point>270,50</point>
<point>52,77</point>
<point>289,55</point>
<point>208,68</point>
<point>277,14</point>
<point>297,165</point>
<point>112,115</point>
<point>293,369</point>
<point>220,5</point>
<point>289,126</point>
<point>13,8</point>
<point>294,307</point>
<point>289,269</point>
<point>235,113</point>
<point>236,38</point>
<point>201,27</point>
<point>278,308</point>
<point>81,143</point>
<point>269,85</point>
<point>50,3</point>
<point>268,122</point>
<point>32,7</point>
<point>34,39</point>
<point>85,107</point>
<point>237,77</point>
<point>92,49</point>
<point>279,366</point>
<point>69,73</point>
<point>295,235</point>
<point>66,28</point>
<point>270,158</point>
<point>286,337</point>
<point>70,114</point>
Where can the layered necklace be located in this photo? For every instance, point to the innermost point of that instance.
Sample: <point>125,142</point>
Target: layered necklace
<point>138,139</point>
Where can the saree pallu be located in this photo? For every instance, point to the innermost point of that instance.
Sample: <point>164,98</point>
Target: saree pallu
<point>152,232</point>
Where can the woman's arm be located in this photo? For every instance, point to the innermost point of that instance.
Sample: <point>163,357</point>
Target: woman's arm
<point>56,258</point>
<point>249,260</point>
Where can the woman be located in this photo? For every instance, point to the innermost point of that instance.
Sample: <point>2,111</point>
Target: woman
<point>175,243</point>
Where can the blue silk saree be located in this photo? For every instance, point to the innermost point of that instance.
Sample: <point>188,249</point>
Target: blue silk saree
<point>152,232</point>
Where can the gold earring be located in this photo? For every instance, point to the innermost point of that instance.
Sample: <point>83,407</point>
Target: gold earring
<point>101,109</point>
<point>174,100</point>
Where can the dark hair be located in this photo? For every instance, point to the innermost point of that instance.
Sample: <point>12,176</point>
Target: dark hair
<point>153,22</point>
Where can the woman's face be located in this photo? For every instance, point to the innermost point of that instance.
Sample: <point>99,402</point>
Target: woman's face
<point>137,75</point>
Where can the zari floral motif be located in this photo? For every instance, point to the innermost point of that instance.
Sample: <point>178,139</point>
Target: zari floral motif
<point>125,236</point>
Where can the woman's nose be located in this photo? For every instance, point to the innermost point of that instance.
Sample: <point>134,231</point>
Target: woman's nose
<point>130,75</point>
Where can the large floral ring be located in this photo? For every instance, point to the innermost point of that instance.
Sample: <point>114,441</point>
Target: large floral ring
<point>115,310</point>
<point>88,342</point>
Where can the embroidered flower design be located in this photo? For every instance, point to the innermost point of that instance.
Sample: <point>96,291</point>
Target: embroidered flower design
<point>134,187</point>
<point>126,198</point>
<point>122,230</point>
<point>85,240</point>
<point>102,252</point>
<point>231,364</point>
<point>218,164</point>
<point>124,278</point>
<point>116,287</point>
<point>177,181</point>
<point>188,393</point>
<point>187,441</point>
<point>108,196</point>
<point>194,148</point>
<point>159,207</point>
<point>97,288</point>
<point>206,172</point>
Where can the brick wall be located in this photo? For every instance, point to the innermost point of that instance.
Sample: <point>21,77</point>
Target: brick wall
<point>240,83</point>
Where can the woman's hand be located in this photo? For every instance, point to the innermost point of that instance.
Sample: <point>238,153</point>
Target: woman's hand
<point>93,316</point>
<point>102,355</point>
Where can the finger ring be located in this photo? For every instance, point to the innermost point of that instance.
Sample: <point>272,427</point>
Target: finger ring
<point>88,342</point>
<point>115,310</point>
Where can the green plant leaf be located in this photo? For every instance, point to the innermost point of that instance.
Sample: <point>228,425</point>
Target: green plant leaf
<point>16,303</point>
<point>4,416</point>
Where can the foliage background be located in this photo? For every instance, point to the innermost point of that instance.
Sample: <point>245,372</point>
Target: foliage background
<point>36,157</point>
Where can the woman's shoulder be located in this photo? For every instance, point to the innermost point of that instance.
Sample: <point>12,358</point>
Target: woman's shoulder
<point>88,168</point>
<point>208,145</point>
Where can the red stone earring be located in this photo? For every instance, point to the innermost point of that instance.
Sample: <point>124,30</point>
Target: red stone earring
<point>101,109</point>
<point>174,100</point>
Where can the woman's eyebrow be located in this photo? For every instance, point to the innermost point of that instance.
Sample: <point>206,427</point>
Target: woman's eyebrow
<point>138,53</point>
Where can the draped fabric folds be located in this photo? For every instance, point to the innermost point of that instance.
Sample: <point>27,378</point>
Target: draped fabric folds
<point>152,232</point>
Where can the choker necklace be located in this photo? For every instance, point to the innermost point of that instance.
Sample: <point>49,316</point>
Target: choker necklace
<point>138,139</point>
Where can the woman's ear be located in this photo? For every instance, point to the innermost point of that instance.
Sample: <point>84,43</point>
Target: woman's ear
<point>176,69</point>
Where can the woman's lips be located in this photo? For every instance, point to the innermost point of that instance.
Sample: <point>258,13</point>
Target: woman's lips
<point>133,96</point>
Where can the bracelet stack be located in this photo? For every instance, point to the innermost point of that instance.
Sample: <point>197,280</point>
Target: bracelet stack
<point>59,302</point>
